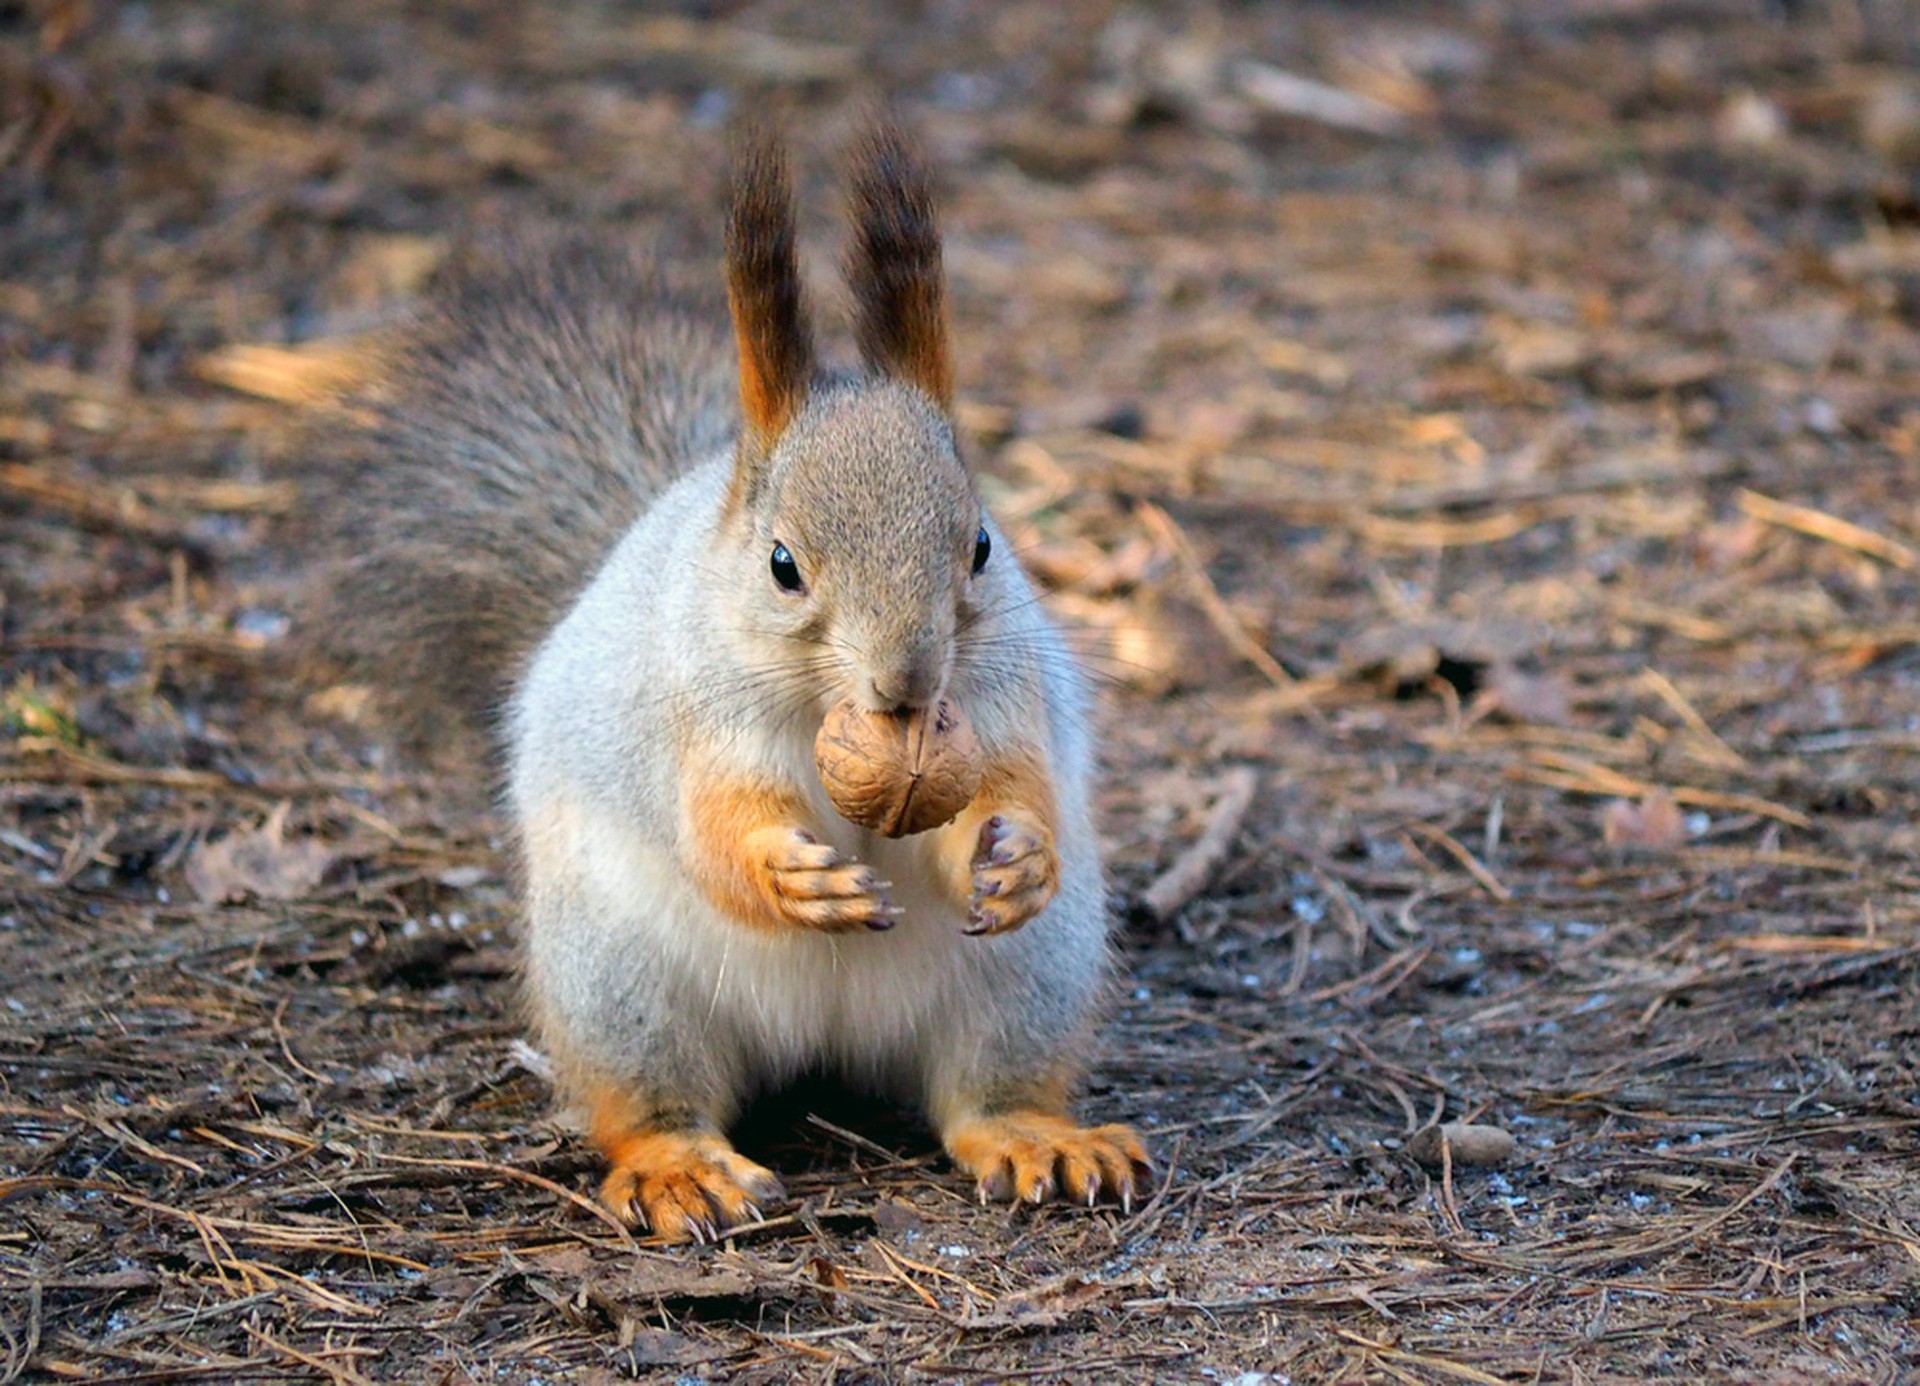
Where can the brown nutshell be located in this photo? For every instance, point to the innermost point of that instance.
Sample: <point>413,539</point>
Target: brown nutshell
<point>898,773</point>
<point>1465,1143</point>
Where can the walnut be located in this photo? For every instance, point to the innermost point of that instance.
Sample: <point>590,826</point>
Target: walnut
<point>898,773</point>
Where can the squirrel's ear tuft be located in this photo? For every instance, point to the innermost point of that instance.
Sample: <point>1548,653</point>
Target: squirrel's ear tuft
<point>894,269</point>
<point>763,291</point>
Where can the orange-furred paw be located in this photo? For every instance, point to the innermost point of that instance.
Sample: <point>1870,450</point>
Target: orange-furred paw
<point>1015,873</point>
<point>751,854</point>
<point>685,1186</point>
<point>1035,1156</point>
<point>812,886</point>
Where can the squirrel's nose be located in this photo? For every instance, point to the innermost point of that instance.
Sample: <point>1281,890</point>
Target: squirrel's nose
<point>904,688</point>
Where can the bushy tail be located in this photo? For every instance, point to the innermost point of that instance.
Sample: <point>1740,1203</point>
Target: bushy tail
<point>509,440</point>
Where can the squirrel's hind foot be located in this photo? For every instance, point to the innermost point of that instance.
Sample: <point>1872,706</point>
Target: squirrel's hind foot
<point>1034,1156</point>
<point>685,1186</point>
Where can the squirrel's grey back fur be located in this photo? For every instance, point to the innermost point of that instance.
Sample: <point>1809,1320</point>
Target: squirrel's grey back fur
<point>546,391</point>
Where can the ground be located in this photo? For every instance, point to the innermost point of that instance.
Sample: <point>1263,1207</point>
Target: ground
<point>1487,433</point>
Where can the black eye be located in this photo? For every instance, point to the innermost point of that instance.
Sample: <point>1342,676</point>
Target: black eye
<point>982,549</point>
<point>785,571</point>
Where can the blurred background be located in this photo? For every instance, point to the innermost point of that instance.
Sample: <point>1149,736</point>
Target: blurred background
<point>1476,448</point>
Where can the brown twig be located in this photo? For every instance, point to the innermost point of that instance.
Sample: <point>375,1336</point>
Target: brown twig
<point>97,506</point>
<point>1194,869</point>
<point>1820,525</point>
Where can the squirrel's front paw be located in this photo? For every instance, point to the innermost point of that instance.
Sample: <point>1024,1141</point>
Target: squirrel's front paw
<point>812,886</point>
<point>1015,874</point>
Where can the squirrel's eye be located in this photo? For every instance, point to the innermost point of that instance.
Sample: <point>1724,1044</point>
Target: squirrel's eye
<point>785,571</point>
<point>982,549</point>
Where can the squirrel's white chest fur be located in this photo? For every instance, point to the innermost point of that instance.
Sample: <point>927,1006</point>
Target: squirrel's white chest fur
<point>792,999</point>
<point>859,1003</point>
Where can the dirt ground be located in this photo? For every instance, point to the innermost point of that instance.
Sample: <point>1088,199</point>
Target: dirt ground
<point>1487,433</point>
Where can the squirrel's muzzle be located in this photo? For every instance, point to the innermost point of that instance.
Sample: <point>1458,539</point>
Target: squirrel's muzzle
<point>904,686</point>
<point>909,673</point>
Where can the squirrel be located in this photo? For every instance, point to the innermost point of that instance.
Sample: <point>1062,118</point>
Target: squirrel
<point>656,558</point>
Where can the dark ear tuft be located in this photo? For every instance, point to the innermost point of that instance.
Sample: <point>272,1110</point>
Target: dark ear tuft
<point>894,267</point>
<point>763,290</point>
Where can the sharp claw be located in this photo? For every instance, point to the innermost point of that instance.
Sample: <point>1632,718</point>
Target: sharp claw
<point>1126,1202</point>
<point>752,1210</point>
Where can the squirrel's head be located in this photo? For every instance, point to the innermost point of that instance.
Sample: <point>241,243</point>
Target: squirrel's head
<point>851,523</point>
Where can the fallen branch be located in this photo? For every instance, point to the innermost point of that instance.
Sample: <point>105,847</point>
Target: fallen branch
<point>1194,869</point>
